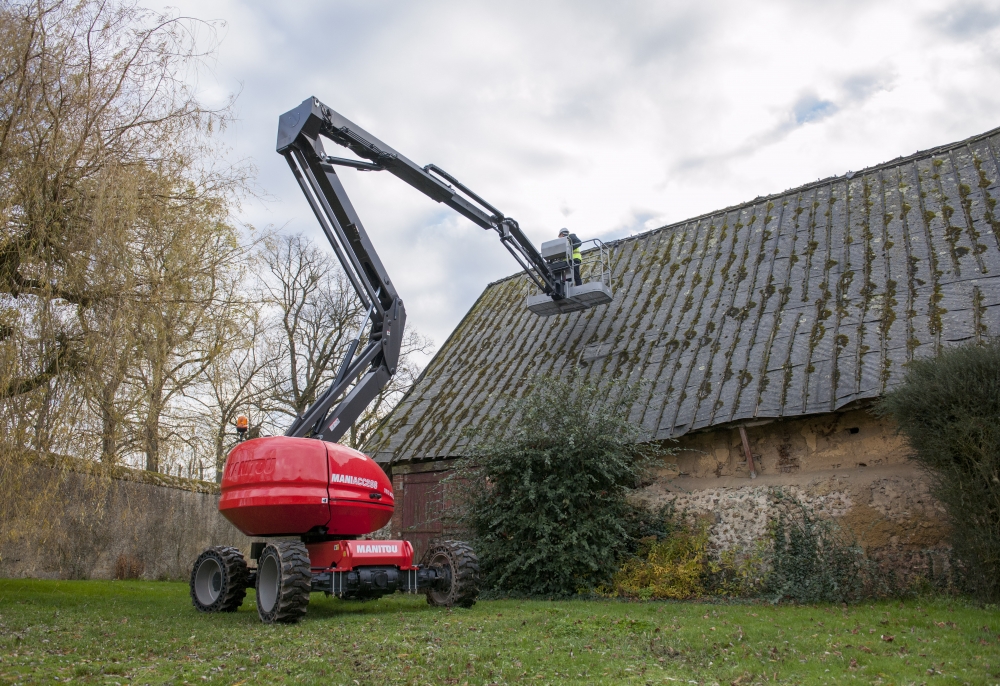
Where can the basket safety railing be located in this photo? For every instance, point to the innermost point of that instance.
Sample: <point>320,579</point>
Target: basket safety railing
<point>596,264</point>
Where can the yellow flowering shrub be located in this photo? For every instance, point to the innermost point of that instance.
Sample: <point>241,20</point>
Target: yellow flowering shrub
<point>672,568</point>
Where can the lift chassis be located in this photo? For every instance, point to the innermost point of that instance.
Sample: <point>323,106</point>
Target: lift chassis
<point>327,496</point>
<point>284,576</point>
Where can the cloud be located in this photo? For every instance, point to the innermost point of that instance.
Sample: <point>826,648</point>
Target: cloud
<point>860,86</point>
<point>606,117</point>
<point>966,19</point>
<point>853,91</point>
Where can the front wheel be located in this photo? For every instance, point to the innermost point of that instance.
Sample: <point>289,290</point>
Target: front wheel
<point>284,580</point>
<point>461,567</point>
<point>219,580</point>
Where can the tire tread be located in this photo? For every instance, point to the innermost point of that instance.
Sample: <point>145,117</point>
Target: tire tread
<point>296,583</point>
<point>235,580</point>
<point>465,574</point>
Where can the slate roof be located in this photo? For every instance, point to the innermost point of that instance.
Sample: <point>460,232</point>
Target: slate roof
<point>791,304</point>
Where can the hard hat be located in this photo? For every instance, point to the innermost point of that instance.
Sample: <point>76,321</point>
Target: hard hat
<point>563,233</point>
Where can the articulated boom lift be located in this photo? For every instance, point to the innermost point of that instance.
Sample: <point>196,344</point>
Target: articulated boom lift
<point>306,485</point>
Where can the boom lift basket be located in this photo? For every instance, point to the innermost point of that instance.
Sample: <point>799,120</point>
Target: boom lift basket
<point>595,272</point>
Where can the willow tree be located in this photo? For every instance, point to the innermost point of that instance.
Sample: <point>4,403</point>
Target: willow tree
<point>115,239</point>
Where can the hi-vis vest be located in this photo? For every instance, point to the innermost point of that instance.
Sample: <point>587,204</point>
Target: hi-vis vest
<point>575,243</point>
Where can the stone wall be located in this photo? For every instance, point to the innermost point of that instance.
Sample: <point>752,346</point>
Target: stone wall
<point>70,519</point>
<point>850,466</point>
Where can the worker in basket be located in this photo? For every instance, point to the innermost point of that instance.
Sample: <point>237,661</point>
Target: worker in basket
<point>577,256</point>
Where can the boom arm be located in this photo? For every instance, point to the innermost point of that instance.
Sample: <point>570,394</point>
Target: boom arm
<point>299,142</point>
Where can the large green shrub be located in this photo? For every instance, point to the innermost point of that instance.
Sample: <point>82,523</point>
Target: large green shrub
<point>949,409</point>
<point>545,488</point>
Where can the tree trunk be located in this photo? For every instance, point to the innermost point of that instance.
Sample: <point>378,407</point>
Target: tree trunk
<point>151,426</point>
<point>220,452</point>
<point>152,444</point>
<point>109,423</point>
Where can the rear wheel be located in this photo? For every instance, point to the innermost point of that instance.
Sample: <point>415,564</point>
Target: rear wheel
<point>284,580</point>
<point>219,580</point>
<point>461,567</point>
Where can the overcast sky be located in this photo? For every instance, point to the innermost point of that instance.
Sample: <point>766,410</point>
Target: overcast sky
<point>609,118</point>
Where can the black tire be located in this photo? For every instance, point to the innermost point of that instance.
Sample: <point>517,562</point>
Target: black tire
<point>284,581</point>
<point>462,565</point>
<point>219,580</point>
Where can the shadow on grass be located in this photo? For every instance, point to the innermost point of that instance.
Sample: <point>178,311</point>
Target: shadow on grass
<point>320,606</point>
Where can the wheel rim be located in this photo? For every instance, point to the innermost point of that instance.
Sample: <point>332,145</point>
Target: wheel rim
<point>443,561</point>
<point>268,580</point>
<point>208,581</point>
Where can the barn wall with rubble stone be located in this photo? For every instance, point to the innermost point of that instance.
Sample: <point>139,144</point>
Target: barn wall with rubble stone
<point>851,467</point>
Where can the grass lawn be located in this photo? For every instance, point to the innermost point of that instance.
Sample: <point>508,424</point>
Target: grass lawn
<point>104,632</point>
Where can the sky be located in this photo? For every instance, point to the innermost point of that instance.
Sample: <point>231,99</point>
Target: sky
<point>609,118</point>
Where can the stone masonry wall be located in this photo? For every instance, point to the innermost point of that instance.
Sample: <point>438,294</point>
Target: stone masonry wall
<point>850,466</point>
<point>71,520</point>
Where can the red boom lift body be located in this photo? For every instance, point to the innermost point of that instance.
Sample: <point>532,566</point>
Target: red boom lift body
<point>283,486</point>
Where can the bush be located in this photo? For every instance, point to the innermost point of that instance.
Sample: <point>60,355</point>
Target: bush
<point>673,560</point>
<point>738,572</point>
<point>545,486</point>
<point>129,567</point>
<point>670,568</point>
<point>949,409</point>
<point>644,524</point>
<point>812,560</point>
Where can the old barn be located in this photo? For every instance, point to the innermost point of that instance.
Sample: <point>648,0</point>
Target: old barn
<point>763,333</point>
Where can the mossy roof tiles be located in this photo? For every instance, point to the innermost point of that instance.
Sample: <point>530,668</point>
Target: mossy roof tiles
<point>791,304</point>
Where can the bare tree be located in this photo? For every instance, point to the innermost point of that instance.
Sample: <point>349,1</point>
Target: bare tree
<point>191,264</point>
<point>106,388</point>
<point>406,374</point>
<point>236,382</point>
<point>315,313</point>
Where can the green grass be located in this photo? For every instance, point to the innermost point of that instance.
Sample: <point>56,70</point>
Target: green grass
<point>103,632</point>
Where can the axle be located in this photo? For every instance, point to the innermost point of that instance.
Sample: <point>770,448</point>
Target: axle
<point>375,582</point>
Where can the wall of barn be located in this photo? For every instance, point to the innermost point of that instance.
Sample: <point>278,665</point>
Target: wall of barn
<point>851,466</point>
<point>74,520</point>
<point>422,501</point>
<point>850,440</point>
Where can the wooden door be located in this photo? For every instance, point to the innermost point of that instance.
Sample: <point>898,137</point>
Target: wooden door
<point>423,506</point>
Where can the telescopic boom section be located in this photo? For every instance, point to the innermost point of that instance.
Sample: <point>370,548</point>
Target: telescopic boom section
<point>299,132</point>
